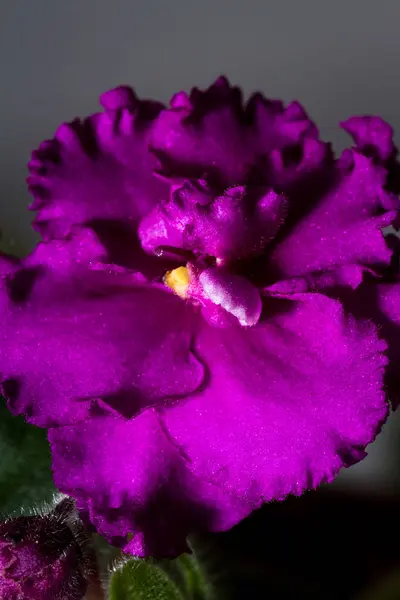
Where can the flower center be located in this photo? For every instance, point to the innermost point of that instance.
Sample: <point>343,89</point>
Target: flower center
<point>178,280</point>
<point>217,288</point>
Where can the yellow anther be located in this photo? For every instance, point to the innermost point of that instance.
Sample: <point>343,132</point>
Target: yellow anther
<point>178,280</point>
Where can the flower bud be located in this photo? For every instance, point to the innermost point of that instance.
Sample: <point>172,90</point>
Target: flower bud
<point>45,556</point>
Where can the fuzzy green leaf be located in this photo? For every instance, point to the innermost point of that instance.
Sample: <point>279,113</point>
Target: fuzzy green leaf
<point>25,464</point>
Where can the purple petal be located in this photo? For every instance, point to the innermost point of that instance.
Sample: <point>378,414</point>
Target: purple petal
<point>97,169</point>
<point>76,341</point>
<point>344,227</point>
<point>372,135</point>
<point>135,481</point>
<point>233,293</point>
<point>344,278</point>
<point>210,133</point>
<point>299,169</point>
<point>229,227</point>
<point>381,303</point>
<point>8,264</point>
<point>365,297</point>
<point>388,319</point>
<point>288,403</point>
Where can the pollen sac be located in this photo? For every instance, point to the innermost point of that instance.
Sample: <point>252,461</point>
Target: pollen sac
<point>178,280</point>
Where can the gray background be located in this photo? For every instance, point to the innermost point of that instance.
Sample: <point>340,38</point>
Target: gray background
<point>56,56</point>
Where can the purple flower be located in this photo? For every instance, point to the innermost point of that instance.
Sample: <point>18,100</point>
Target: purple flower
<point>206,324</point>
<point>45,556</point>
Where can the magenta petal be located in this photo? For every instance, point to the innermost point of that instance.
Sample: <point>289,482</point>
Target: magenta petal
<point>372,135</point>
<point>211,133</point>
<point>362,294</point>
<point>332,282</point>
<point>81,249</point>
<point>232,226</point>
<point>302,167</point>
<point>135,481</point>
<point>77,341</point>
<point>289,402</point>
<point>8,265</point>
<point>345,225</point>
<point>233,293</point>
<point>97,169</point>
<point>381,303</point>
<point>388,319</point>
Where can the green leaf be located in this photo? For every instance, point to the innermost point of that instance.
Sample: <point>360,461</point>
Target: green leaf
<point>142,580</point>
<point>197,586</point>
<point>25,464</point>
<point>189,575</point>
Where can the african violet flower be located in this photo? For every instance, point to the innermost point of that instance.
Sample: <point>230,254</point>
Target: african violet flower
<point>195,329</point>
<point>45,556</point>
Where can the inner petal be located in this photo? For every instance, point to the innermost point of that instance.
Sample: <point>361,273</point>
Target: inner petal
<point>236,225</point>
<point>233,293</point>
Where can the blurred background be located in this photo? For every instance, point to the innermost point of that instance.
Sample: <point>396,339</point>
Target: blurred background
<point>338,59</point>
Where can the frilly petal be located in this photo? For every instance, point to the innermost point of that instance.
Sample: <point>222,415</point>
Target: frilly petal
<point>211,134</point>
<point>388,319</point>
<point>380,302</point>
<point>79,339</point>
<point>299,165</point>
<point>365,296</point>
<point>333,282</point>
<point>372,135</point>
<point>343,227</point>
<point>288,403</point>
<point>134,481</point>
<point>97,170</point>
<point>235,225</point>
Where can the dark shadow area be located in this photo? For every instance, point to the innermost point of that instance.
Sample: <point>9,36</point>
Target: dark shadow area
<point>123,248</point>
<point>327,545</point>
<point>20,284</point>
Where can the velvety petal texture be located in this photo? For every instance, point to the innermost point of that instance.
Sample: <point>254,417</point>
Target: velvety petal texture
<point>345,227</point>
<point>135,480</point>
<point>233,293</point>
<point>298,386</point>
<point>98,171</point>
<point>229,227</point>
<point>211,134</point>
<point>372,135</point>
<point>72,340</point>
<point>381,303</point>
<point>388,320</point>
<point>309,382</point>
<point>211,320</point>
